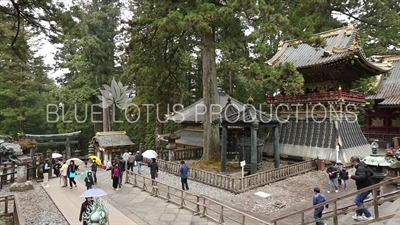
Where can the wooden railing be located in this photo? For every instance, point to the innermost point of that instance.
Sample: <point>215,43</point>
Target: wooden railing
<point>198,204</point>
<point>9,174</point>
<point>301,215</point>
<point>332,95</point>
<point>16,213</point>
<point>238,185</point>
<point>270,176</point>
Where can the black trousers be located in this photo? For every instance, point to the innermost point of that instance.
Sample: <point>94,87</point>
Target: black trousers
<point>130,166</point>
<point>72,181</point>
<point>94,176</point>
<point>184,184</point>
<point>88,187</point>
<point>115,182</point>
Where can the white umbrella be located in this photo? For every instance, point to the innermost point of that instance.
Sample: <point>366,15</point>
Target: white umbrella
<point>56,155</point>
<point>95,192</point>
<point>76,161</point>
<point>150,154</point>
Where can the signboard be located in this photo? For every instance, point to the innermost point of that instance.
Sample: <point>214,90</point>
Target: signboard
<point>242,163</point>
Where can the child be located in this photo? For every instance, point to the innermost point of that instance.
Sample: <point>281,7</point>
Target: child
<point>344,176</point>
<point>317,199</point>
<point>89,180</point>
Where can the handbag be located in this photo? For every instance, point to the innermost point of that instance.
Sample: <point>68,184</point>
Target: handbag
<point>72,175</point>
<point>156,174</point>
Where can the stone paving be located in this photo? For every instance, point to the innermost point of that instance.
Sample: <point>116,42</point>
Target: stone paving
<point>144,209</point>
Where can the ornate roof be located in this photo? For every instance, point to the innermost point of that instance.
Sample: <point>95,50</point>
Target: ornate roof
<point>247,116</point>
<point>342,43</point>
<point>195,112</point>
<point>389,84</point>
<point>112,139</point>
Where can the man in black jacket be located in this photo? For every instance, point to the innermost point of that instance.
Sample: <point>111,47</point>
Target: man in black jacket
<point>363,179</point>
<point>139,161</point>
<point>333,178</point>
<point>84,207</point>
<point>93,167</point>
<point>122,170</point>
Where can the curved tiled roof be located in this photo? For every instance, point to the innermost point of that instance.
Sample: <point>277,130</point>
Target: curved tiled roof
<point>195,111</point>
<point>389,86</point>
<point>341,43</point>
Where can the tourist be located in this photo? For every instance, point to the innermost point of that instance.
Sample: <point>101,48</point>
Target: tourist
<point>318,199</point>
<point>71,173</point>
<point>89,180</point>
<point>56,168</point>
<point>122,170</point>
<point>93,167</point>
<point>109,165</point>
<point>84,209</point>
<point>115,172</point>
<point>339,166</point>
<point>153,170</point>
<point>64,173</point>
<point>139,161</point>
<point>46,169</point>
<point>344,176</point>
<point>131,162</point>
<point>333,178</point>
<point>363,179</point>
<point>184,170</point>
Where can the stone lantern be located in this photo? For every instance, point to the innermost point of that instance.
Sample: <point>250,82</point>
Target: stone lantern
<point>91,149</point>
<point>377,163</point>
<point>171,146</point>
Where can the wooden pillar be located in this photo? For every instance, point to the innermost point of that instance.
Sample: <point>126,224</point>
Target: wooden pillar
<point>277,159</point>
<point>253,168</point>
<point>224,148</point>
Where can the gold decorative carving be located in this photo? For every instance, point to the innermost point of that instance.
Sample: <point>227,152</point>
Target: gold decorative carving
<point>396,122</point>
<point>377,122</point>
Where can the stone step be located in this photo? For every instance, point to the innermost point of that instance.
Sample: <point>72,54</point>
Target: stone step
<point>395,220</point>
<point>393,208</point>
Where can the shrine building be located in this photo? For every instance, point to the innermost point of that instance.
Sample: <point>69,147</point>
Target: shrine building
<point>383,119</point>
<point>323,120</point>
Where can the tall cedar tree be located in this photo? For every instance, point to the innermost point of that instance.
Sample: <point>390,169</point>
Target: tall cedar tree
<point>24,85</point>
<point>208,26</point>
<point>88,53</point>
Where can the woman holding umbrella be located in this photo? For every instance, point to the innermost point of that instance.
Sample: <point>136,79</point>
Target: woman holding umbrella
<point>71,173</point>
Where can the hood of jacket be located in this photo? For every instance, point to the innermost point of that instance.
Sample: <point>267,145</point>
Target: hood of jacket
<point>362,164</point>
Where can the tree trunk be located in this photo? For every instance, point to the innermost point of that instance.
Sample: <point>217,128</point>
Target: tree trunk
<point>105,120</point>
<point>211,151</point>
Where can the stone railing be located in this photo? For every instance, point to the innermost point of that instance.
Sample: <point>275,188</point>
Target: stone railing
<point>183,154</point>
<point>199,205</point>
<point>11,202</point>
<point>238,185</point>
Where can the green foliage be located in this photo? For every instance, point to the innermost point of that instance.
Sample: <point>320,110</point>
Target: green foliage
<point>24,85</point>
<point>88,54</point>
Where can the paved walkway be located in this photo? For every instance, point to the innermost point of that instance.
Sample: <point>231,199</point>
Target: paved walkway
<point>129,205</point>
<point>143,208</point>
<point>69,203</point>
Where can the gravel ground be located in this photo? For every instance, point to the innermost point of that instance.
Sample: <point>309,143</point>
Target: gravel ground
<point>285,193</point>
<point>37,207</point>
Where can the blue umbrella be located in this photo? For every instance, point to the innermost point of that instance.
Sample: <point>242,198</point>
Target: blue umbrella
<point>84,174</point>
<point>93,193</point>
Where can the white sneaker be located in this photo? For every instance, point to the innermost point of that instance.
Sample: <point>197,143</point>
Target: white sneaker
<point>336,191</point>
<point>359,218</point>
<point>46,186</point>
<point>368,218</point>
<point>328,192</point>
